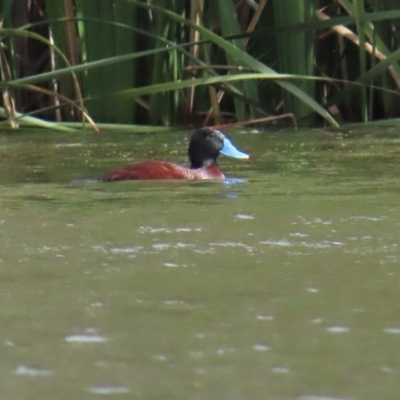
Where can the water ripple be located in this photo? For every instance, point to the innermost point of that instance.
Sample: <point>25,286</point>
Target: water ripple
<point>29,370</point>
<point>86,338</point>
<point>108,390</point>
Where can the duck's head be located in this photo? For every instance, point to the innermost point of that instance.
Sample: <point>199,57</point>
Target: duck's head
<point>205,146</point>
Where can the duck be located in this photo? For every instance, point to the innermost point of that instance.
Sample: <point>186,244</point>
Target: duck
<point>205,145</point>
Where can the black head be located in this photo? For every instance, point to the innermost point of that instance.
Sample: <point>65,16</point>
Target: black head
<point>204,147</point>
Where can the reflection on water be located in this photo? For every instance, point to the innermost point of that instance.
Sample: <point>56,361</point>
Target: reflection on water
<point>31,371</point>
<point>281,283</point>
<point>108,390</point>
<point>229,182</point>
<point>89,338</point>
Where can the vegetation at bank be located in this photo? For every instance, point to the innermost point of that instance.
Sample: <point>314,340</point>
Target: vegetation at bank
<point>198,62</point>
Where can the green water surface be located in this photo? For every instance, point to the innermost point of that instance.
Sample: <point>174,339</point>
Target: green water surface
<point>283,284</point>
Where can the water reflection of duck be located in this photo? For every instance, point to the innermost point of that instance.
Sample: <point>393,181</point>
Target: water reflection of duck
<point>205,146</point>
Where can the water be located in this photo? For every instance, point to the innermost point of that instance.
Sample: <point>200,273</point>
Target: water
<point>280,283</point>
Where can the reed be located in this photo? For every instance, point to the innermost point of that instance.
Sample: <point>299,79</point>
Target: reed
<point>296,50</point>
<point>170,62</point>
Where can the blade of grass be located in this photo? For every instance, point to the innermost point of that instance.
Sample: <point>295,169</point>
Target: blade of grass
<point>64,34</point>
<point>125,43</point>
<point>359,12</point>
<point>214,80</point>
<point>296,51</point>
<point>230,26</point>
<point>8,99</point>
<point>32,121</point>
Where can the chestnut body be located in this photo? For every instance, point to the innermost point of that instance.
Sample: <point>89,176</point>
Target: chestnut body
<point>162,170</point>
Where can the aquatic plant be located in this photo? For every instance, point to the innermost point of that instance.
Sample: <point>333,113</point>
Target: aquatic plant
<point>198,62</point>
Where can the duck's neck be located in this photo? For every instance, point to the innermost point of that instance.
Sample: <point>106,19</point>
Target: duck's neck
<point>195,164</point>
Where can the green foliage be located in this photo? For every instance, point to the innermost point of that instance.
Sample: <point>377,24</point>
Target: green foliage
<point>171,62</point>
<point>296,50</point>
